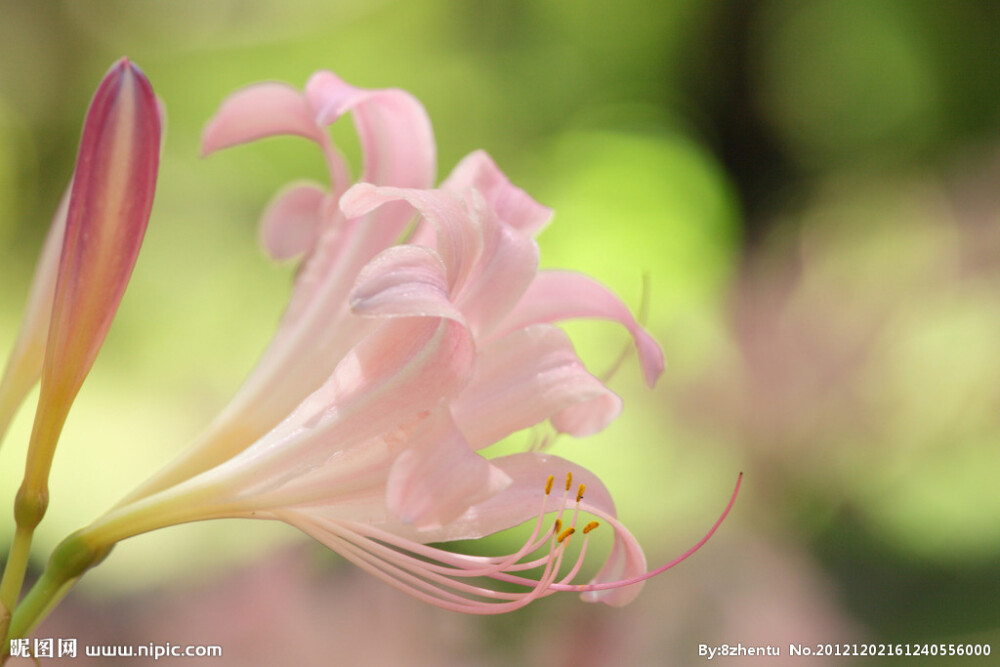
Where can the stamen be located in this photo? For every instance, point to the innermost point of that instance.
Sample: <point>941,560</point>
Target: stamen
<point>579,492</point>
<point>426,580</point>
<point>548,484</point>
<point>569,480</point>
<point>663,568</point>
<point>467,583</point>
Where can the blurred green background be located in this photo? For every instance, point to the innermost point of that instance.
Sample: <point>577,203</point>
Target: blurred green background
<point>812,189</point>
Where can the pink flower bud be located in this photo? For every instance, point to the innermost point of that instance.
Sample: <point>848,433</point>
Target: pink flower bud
<point>109,207</point>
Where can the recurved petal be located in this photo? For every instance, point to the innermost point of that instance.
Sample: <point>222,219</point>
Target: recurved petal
<point>404,281</point>
<point>438,477</point>
<point>459,232</point>
<point>292,221</point>
<point>562,295</point>
<point>515,207</point>
<point>625,562</point>
<point>397,141</point>
<point>258,111</point>
<point>526,377</point>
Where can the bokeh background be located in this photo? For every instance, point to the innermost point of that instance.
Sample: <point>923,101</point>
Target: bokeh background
<point>811,188</point>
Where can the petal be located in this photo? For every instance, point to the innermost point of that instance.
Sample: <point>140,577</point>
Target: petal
<point>459,233</point>
<point>625,561</point>
<point>515,207</point>
<point>526,377</point>
<point>505,270</point>
<point>257,111</point>
<point>291,223</point>
<point>397,141</point>
<point>439,477</point>
<point>404,281</point>
<point>560,295</point>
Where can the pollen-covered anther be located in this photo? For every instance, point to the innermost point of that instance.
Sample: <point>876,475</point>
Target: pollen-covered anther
<point>565,534</point>
<point>579,492</point>
<point>590,526</point>
<point>569,480</point>
<point>557,527</point>
<point>548,484</point>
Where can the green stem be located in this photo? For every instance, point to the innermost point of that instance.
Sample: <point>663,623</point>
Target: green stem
<point>17,565</point>
<point>68,562</point>
<point>47,592</point>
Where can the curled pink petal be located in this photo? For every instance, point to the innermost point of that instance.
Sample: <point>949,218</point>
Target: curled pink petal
<point>459,234</point>
<point>438,477</point>
<point>562,295</point>
<point>258,111</point>
<point>291,223</point>
<point>397,141</point>
<point>526,377</point>
<point>402,282</point>
<point>516,208</point>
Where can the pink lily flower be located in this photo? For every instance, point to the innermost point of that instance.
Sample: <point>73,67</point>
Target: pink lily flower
<point>394,364</point>
<point>87,260</point>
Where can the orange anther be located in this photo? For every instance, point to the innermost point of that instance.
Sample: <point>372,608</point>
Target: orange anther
<point>566,533</point>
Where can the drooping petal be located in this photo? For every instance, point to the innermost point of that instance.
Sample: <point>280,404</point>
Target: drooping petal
<point>515,207</point>
<point>438,477</point>
<point>459,232</point>
<point>404,281</point>
<point>258,111</point>
<point>396,137</point>
<point>526,377</point>
<point>291,223</point>
<point>24,366</point>
<point>561,295</point>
